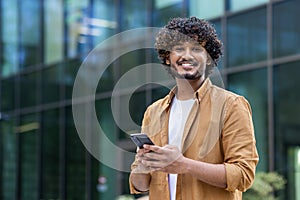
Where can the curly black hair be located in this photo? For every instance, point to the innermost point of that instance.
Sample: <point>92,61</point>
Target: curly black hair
<point>184,29</point>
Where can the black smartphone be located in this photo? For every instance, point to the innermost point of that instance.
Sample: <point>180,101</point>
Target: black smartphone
<point>140,139</point>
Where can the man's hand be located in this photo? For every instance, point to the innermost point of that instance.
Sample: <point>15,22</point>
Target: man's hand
<point>141,168</point>
<point>168,159</point>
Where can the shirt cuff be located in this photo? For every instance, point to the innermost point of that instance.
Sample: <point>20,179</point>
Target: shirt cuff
<point>233,177</point>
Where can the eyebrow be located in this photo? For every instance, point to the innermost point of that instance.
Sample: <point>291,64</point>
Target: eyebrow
<point>194,44</point>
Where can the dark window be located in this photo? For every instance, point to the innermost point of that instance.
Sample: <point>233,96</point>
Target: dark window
<point>287,124</point>
<point>28,93</point>
<point>75,161</point>
<point>28,130</point>
<point>51,82</point>
<point>253,86</point>
<point>51,163</point>
<point>286,28</point>
<point>247,38</point>
<point>9,157</point>
<point>8,94</point>
<point>69,76</point>
<point>217,25</point>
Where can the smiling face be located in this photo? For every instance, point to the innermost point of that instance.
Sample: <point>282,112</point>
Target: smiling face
<point>188,60</point>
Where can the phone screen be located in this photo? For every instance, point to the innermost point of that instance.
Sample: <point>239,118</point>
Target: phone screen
<point>140,139</point>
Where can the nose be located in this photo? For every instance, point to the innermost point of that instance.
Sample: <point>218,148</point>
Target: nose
<point>187,53</point>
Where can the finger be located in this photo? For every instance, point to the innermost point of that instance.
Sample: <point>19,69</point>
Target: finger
<point>153,165</point>
<point>152,148</point>
<point>153,157</point>
<point>170,148</point>
<point>141,151</point>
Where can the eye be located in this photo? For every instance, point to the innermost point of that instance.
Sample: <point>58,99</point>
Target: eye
<point>178,48</point>
<point>197,49</point>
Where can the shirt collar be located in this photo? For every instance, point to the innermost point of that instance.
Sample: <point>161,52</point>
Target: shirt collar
<point>197,95</point>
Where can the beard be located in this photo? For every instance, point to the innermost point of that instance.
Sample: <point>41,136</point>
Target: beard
<point>195,76</point>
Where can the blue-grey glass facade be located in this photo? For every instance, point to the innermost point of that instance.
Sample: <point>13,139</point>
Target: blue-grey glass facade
<point>43,44</point>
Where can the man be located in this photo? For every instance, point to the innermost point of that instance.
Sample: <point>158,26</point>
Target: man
<point>203,135</point>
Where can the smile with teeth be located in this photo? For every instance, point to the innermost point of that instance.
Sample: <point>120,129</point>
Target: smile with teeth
<point>187,66</point>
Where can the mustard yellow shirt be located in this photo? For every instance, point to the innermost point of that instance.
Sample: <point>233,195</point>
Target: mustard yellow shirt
<point>219,129</point>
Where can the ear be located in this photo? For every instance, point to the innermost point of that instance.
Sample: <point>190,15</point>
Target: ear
<point>209,60</point>
<point>168,61</point>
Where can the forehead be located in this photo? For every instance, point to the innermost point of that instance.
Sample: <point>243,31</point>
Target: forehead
<point>188,43</point>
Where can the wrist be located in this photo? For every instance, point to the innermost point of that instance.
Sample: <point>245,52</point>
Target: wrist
<point>184,165</point>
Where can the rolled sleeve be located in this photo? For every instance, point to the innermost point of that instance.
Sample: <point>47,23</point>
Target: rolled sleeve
<point>239,145</point>
<point>132,189</point>
<point>238,177</point>
<point>145,123</point>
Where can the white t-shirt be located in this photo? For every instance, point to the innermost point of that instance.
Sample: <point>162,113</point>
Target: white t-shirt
<point>178,115</point>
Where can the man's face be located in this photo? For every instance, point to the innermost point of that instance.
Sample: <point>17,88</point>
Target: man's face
<point>188,60</point>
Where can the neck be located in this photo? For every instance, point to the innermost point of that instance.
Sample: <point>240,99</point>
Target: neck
<point>186,88</point>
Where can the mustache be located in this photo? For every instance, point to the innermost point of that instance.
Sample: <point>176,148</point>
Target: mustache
<point>184,61</point>
<point>175,74</point>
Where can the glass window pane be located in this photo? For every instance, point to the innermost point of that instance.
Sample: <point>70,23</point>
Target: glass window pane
<point>134,13</point>
<point>51,82</point>
<point>286,29</point>
<point>164,10</point>
<point>293,173</point>
<point>54,41</point>
<point>253,86</point>
<point>137,106</point>
<point>108,125</point>
<point>247,38</point>
<point>218,27</point>
<point>30,32</point>
<point>29,151</point>
<point>9,38</point>
<point>9,156</point>
<point>8,94</point>
<point>240,5</point>
<point>96,173</point>
<point>50,171</point>
<point>104,20</point>
<point>28,91</point>
<point>286,115</point>
<point>106,82</point>
<point>70,72</point>
<point>132,60</point>
<point>75,160</point>
<point>159,92</point>
<point>78,33</point>
<point>203,9</point>
<point>106,118</point>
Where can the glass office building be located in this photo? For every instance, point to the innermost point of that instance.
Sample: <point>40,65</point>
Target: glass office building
<point>43,44</point>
